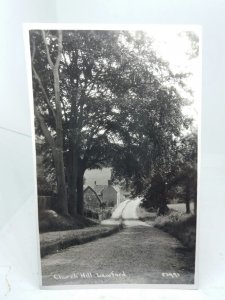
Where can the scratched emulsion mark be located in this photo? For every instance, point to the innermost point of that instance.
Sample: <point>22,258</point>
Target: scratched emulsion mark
<point>5,286</point>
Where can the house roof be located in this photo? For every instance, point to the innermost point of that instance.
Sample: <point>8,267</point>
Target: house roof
<point>99,188</point>
<point>88,187</point>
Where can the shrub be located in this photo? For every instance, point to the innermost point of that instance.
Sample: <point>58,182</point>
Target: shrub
<point>180,225</point>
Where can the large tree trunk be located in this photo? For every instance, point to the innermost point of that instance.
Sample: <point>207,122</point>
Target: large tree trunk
<point>61,182</point>
<point>73,160</point>
<point>72,196</point>
<point>72,182</point>
<point>58,160</point>
<point>195,206</point>
<point>187,196</point>
<point>195,198</point>
<point>80,193</point>
<point>58,151</point>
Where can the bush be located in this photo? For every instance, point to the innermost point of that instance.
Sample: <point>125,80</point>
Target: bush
<point>91,214</point>
<point>106,214</point>
<point>180,225</point>
<point>98,214</point>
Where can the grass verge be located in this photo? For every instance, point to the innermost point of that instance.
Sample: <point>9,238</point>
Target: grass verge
<point>180,225</point>
<point>49,221</point>
<point>52,242</point>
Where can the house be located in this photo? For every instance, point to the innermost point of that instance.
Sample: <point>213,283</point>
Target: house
<point>99,181</point>
<point>91,200</point>
<point>100,195</point>
<point>107,193</point>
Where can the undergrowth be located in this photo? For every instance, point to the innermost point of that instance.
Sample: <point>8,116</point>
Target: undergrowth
<point>180,225</point>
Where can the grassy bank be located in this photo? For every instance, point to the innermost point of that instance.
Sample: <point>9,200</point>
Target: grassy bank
<point>180,225</point>
<point>50,220</point>
<point>52,242</point>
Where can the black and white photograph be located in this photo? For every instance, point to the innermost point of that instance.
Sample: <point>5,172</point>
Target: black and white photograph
<point>116,121</point>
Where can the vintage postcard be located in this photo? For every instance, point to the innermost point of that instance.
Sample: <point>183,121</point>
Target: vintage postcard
<point>115,117</point>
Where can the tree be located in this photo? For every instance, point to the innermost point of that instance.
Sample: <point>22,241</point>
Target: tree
<point>157,146</point>
<point>85,102</point>
<point>101,96</point>
<point>194,43</point>
<point>56,143</point>
<point>184,171</point>
<point>155,195</point>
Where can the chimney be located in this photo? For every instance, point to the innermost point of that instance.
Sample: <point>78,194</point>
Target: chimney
<point>109,182</point>
<point>95,182</point>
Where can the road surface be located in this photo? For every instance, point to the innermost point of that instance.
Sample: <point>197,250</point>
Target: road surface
<point>137,254</point>
<point>126,213</point>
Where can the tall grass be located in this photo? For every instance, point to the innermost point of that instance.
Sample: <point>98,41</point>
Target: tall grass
<point>180,225</point>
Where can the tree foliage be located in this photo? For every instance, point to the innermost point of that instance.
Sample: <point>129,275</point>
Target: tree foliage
<point>104,98</point>
<point>180,181</point>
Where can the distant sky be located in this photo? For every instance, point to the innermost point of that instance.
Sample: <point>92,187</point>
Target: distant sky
<point>174,48</point>
<point>100,176</point>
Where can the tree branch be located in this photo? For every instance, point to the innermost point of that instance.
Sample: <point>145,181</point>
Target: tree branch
<point>93,81</point>
<point>37,77</point>
<point>60,48</point>
<point>47,50</point>
<point>81,117</point>
<point>44,128</point>
<point>34,51</point>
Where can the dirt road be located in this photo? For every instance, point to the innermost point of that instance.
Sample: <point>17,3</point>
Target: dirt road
<point>126,213</point>
<point>137,254</point>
